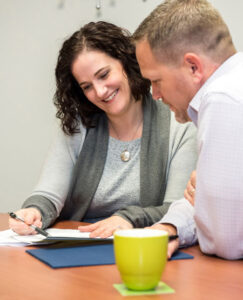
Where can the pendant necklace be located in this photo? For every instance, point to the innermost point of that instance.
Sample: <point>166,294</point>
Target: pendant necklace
<point>126,154</point>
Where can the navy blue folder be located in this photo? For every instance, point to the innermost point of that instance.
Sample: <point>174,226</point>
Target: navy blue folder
<point>181,255</point>
<point>91,255</point>
<point>75,256</point>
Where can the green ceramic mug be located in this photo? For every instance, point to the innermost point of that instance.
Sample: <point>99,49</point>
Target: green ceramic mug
<point>141,255</point>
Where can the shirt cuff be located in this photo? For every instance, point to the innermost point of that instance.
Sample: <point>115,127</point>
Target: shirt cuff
<point>181,215</point>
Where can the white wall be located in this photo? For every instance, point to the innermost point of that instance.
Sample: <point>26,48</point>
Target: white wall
<point>31,33</point>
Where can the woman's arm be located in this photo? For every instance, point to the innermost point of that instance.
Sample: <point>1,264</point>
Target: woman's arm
<point>51,191</point>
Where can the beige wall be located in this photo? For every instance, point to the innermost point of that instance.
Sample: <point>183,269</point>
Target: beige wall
<point>31,32</point>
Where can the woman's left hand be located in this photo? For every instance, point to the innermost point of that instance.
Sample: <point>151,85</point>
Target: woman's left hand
<point>106,228</point>
<point>189,192</point>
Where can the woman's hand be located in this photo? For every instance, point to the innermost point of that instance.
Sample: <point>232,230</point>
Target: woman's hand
<point>106,228</point>
<point>189,192</point>
<point>173,245</point>
<point>31,216</point>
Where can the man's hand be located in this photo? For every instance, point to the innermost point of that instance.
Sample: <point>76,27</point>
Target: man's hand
<point>173,245</point>
<point>31,216</point>
<point>189,192</point>
<point>107,227</point>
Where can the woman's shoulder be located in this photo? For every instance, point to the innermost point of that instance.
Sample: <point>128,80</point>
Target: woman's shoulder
<point>177,126</point>
<point>182,131</point>
<point>73,142</point>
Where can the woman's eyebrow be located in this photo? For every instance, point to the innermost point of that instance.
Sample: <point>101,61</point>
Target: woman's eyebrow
<point>100,70</point>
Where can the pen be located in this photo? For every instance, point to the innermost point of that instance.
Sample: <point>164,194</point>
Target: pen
<point>37,229</point>
<point>173,237</point>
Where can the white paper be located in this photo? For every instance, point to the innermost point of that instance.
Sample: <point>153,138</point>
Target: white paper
<point>10,238</point>
<point>7,238</point>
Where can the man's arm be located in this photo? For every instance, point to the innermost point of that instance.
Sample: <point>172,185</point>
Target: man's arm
<point>219,192</point>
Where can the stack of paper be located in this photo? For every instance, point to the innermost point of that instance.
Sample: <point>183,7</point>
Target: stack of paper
<point>10,238</point>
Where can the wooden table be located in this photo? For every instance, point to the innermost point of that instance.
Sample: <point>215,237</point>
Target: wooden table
<point>22,277</point>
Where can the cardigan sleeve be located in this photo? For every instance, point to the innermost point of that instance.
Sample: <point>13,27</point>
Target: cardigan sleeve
<point>181,162</point>
<point>51,191</point>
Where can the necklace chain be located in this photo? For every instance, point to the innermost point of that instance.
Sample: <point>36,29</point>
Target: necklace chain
<point>126,154</point>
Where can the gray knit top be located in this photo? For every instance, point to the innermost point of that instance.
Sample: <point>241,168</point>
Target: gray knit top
<point>120,182</point>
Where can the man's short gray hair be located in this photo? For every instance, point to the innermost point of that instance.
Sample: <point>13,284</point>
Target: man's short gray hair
<point>176,27</point>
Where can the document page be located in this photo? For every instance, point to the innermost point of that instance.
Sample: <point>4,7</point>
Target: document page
<point>10,238</point>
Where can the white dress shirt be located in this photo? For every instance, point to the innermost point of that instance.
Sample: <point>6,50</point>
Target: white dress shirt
<point>217,111</point>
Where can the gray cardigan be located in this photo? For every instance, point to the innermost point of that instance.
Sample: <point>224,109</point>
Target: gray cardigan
<point>155,161</point>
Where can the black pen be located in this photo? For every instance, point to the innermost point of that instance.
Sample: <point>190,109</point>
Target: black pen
<point>173,237</point>
<point>37,229</point>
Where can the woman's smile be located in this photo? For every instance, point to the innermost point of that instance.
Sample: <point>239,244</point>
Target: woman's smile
<point>111,97</point>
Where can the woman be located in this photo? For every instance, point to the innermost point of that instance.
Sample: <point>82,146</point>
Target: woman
<point>120,155</point>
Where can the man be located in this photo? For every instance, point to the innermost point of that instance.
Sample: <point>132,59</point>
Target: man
<point>185,49</point>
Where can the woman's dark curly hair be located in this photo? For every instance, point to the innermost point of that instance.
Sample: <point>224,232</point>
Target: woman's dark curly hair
<point>69,98</point>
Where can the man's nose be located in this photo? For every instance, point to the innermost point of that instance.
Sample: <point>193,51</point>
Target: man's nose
<point>156,93</point>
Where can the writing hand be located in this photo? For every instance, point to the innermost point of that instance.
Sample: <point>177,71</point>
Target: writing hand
<point>31,216</point>
<point>106,228</point>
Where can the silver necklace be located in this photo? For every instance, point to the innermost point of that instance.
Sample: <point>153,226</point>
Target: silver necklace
<point>126,154</point>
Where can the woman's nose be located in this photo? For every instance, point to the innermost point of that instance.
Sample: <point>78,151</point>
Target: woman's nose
<point>101,90</point>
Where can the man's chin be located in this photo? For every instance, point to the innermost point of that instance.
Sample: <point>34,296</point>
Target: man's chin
<point>182,117</point>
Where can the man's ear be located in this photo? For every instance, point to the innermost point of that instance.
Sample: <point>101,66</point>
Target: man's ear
<point>195,66</point>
